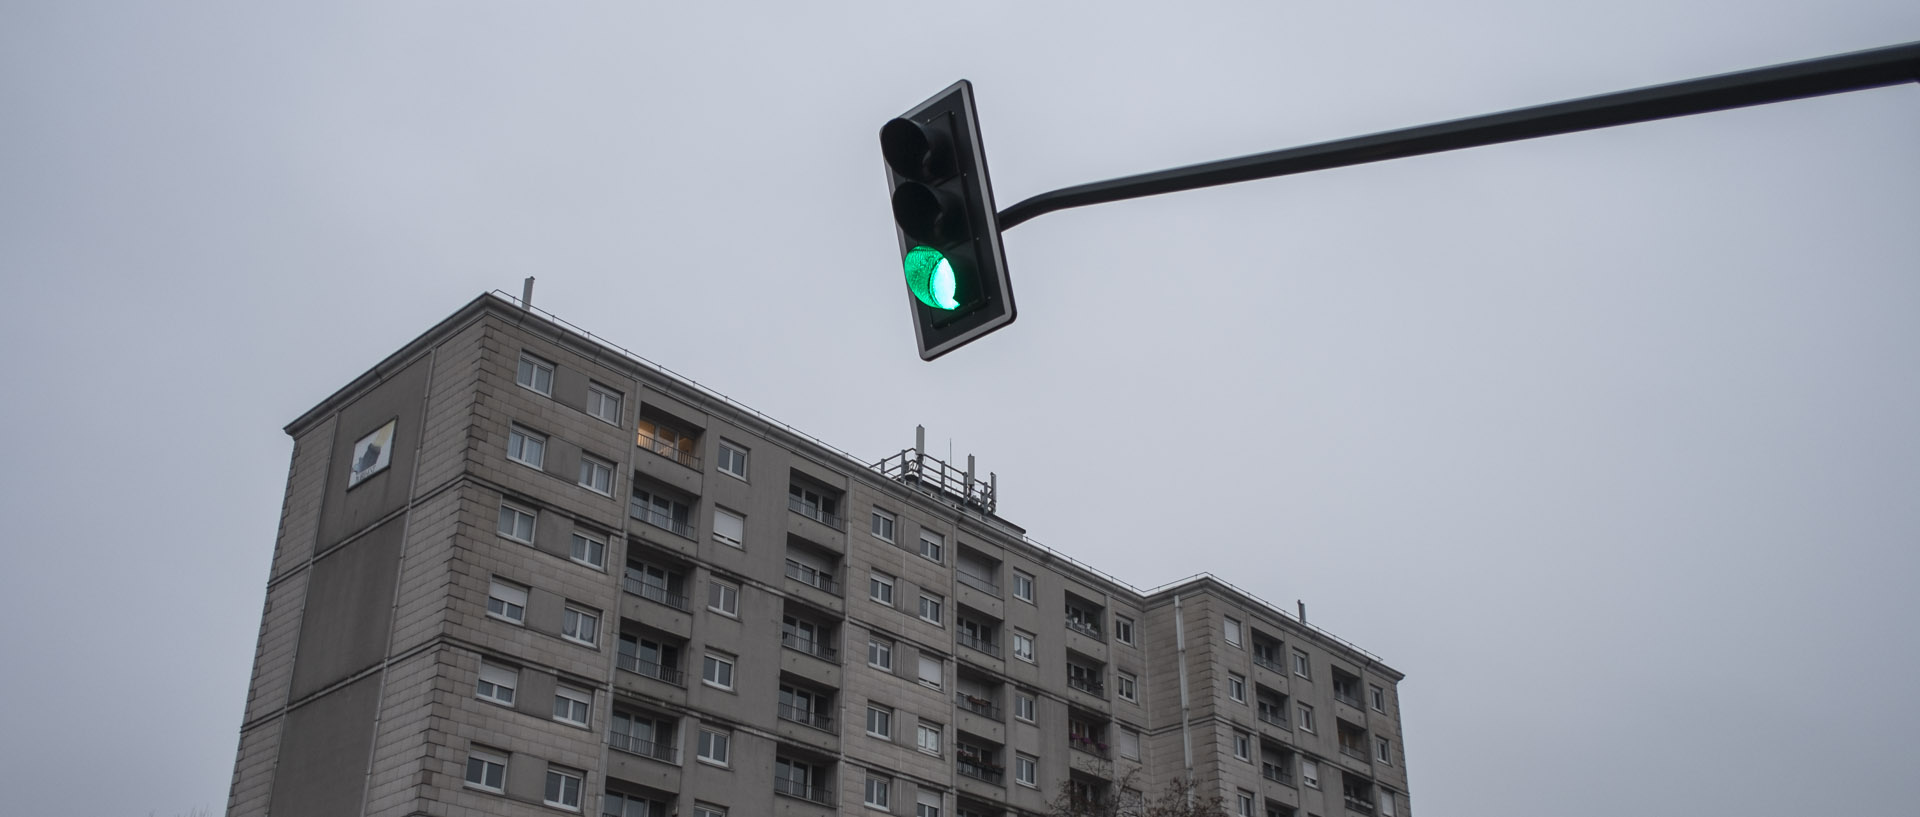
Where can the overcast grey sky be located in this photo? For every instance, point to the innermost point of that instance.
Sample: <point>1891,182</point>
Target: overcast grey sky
<point>1609,440</point>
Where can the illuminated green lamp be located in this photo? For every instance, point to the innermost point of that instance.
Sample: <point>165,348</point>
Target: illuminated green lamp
<point>930,276</point>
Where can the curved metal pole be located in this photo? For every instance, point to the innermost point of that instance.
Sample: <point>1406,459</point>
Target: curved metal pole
<point>1860,70</point>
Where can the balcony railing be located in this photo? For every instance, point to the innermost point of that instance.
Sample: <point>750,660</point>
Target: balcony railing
<point>984,644</point>
<point>1275,716</point>
<point>806,717</point>
<point>659,519</point>
<point>1269,663</point>
<point>811,646</point>
<point>634,744</point>
<point>814,512</point>
<point>1276,774</point>
<point>1355,752</point>
<point>981,769</point>
<point>977,582</point>
<point>1359,805</point>
<point>651,669</point>
<point>1348,697</point>
<point>818,793</point>
<point>1087,628</point>
<point>1092,686</point>
<point>655,593</point>
<point>665,448</point>
<point>812,576</point>
<point>1090,745</point>
<point>977,705</point>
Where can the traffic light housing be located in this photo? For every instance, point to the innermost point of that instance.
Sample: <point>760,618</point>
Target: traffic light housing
<point>943,212</point>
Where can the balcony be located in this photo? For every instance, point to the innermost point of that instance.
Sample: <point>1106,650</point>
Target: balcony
<point>1277,774</point>
<point>1083,627</point>
<point>636,745</point>
<point>1346,695</point>
<point>1355,752</point>
<point>656,593</point>
<point>815,511</point>
<point>814,647</point>
<point>1362,806</point>
<point>977,705</point>
<point>658,518</point>
<point>651,669</point>
<point>1091,686</point>
<point>806,717</point>
<point>667,443</point>
<point>1091,745</point>
<point>812,793</point>
<point>812,576</point>
<point>977,582</point>
<point>983,643</point>
<point>980,768</point>
<point>1274,715</point>
<point>1269,663</point>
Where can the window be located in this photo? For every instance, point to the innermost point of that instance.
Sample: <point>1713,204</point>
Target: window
<point>497,683</point>
<point>806,706</point>
<point>1306,717</point>
<point>1129,744</point>
<point>930,607</point>
<point>733,460</point>
<point>507,601</point>
<point>1243,746</point>
<point>643,735</point>
<point>880,588</point>
<point>1023,587</point>
<point>729,527</point>
<point>1026,770</point>
<point>1023,646</point>
<point>880,653</point>
<point>1126,685</point>
<point>666,441</point>
<point>589,550</point>
<point>563,787</point>
<point>516,523</point>
<point>879,792</point>
<point>646,656</point>
<point>715,745</point>
<point>526,447</point>
<point>535,374</point>
<point>814,504</point>
<point>1233,632</point>
<point>1378,697</point>
<point>882,525</point>
<point>603,403</point>
<point>799,779</point>
<point>930,670</point>
<point>1383,751</point>
<point>1243,803</point>
<point>1266,653</point>
<point>1301,666</point>
<point>1237,687</point>
<point>708,810</point>
<point>572,706</point>
<point>1123,629</point>
<point>927,804</point>
<point>660,511</point>
<point>723,598</point>
<point>717,671</point>
<point>617,804</point>
<point>581,625</point>
<point>880,721</point>
<point>1310,773</point>
<point>929,740</point>
<point>1386,803</point>
<point>487,770</point>
<point>932,546</point>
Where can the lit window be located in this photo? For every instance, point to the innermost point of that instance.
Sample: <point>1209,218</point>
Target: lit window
<point>929,740</point>
<point>603,403</point>
<point>715,746</point>
<point>930,607</point>
<point>1306,717</point>
<point>563,787</point>
<point>717,671</point>
<point>535,374</point>
<point>723,598</point>
<point>667,441</point>
<point>879,792</point>
<point>729,527</point>
<point>572,705</point>
<point>1233,632</point>
<point>487,770</point>
<point>1022,586</point>
<point>516,523</point>
<point>1237,687</point>
<point>1127,686</point>
<point>1243,746</point>
<point>1123,629</point>
<point>880,653</point>
<point>880,588</point>
<point>507,601</point>
<point>932,546</point>
<point>930,673</point>
<point>1023,706</point>
<point>497,684</point>
<point>596,475</point>
<point>526,447</point>
<point>882,525</point>
<point>733,460</point>
<point>880,722</point>
<point>581,625</point>
<point>1026,770</point>
<point>589,550</point>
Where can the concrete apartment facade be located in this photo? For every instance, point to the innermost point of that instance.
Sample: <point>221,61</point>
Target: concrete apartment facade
<point>520,571</point>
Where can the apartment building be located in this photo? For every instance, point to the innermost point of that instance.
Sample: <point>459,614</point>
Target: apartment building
<point>523,571</point>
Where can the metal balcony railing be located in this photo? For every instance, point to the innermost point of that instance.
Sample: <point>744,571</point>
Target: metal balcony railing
<point>977,705</point>
<point>1086,628</point>
<point>1272,664</point>
<point>655,593</point>
<point>1354,752</point>
<point>647,441</point>
<point>1348,697</point>
<point>1276,774</point>
<point>806,717</point>
<point>814,793</point>
<point>977,582</point>
<point>980,769</point>
<point>814,512</point>
<point>982,643</point>
<point>1090,745</point>
<point>1359,805</point>
<point>1275,716</point>
<point>634,744</point>
<point>812,576</point>
<point>640,666</point>
<point>811,646</point>
<point>659,519</point>
<point>1092,686</point>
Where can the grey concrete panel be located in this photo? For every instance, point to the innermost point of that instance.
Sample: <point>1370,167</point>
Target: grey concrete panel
<point>323,753</point>
<point>349,608</point>
<point>535,696</point>
<point>526,778</point>
<point>570,387</point>
<point>563,459</point>
<point>543,611</point>
<point>399,397</point>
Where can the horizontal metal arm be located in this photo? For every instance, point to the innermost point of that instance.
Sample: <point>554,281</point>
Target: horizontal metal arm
<point>1797,80</point>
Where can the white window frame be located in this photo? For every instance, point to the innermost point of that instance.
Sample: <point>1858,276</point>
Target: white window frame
<point>1023,646</point>
<point>1306,717</point>
<point>1378,696</point>
<point>564,776</point>
<point>1309,773</point>
<point>577,700</point>
<point>580,625</point>
<point>532,367</point>
<point>938,605</point>
<point>878,585</point>
<point>1026,770</point>
<point>487,759</point>
<point>1302,665</point>
<point>879,792</point>
<point>596,475</point>
<point>723,461</point>
<point>880,652</point>
<point>1237,687</point>
<point>513,512</point>
<point>498,678</point>
<point>582,548</point>
<point>1232,631</point>
<point>717,664</point>
<point>939,676</point>
<point>1023,586</point>
<point>1242,746</point>
<point>928,738</point>
<point>1386,803</point>
<point>723,597</point>
<point>506,592</point>
<point>927,804</point>
<point>1128,744</point>
<point>740,523</point>
<point>933,547</point>
<point>714,746</point>
<point>1126,685</point>
<point>1122,629</point>
<point>1383,750</point>
<point>527,447</point>
<point>1025,708</point>
<point>603,403</point>
<point>1243,802</point>
<point>884,715</point>
<point>709,810</point>
<point>883,525</point>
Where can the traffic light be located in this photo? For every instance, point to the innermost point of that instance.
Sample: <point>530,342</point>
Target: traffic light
<point>943,213</point>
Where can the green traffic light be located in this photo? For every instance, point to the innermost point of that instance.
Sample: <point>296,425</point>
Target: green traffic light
<point>930,276</point>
